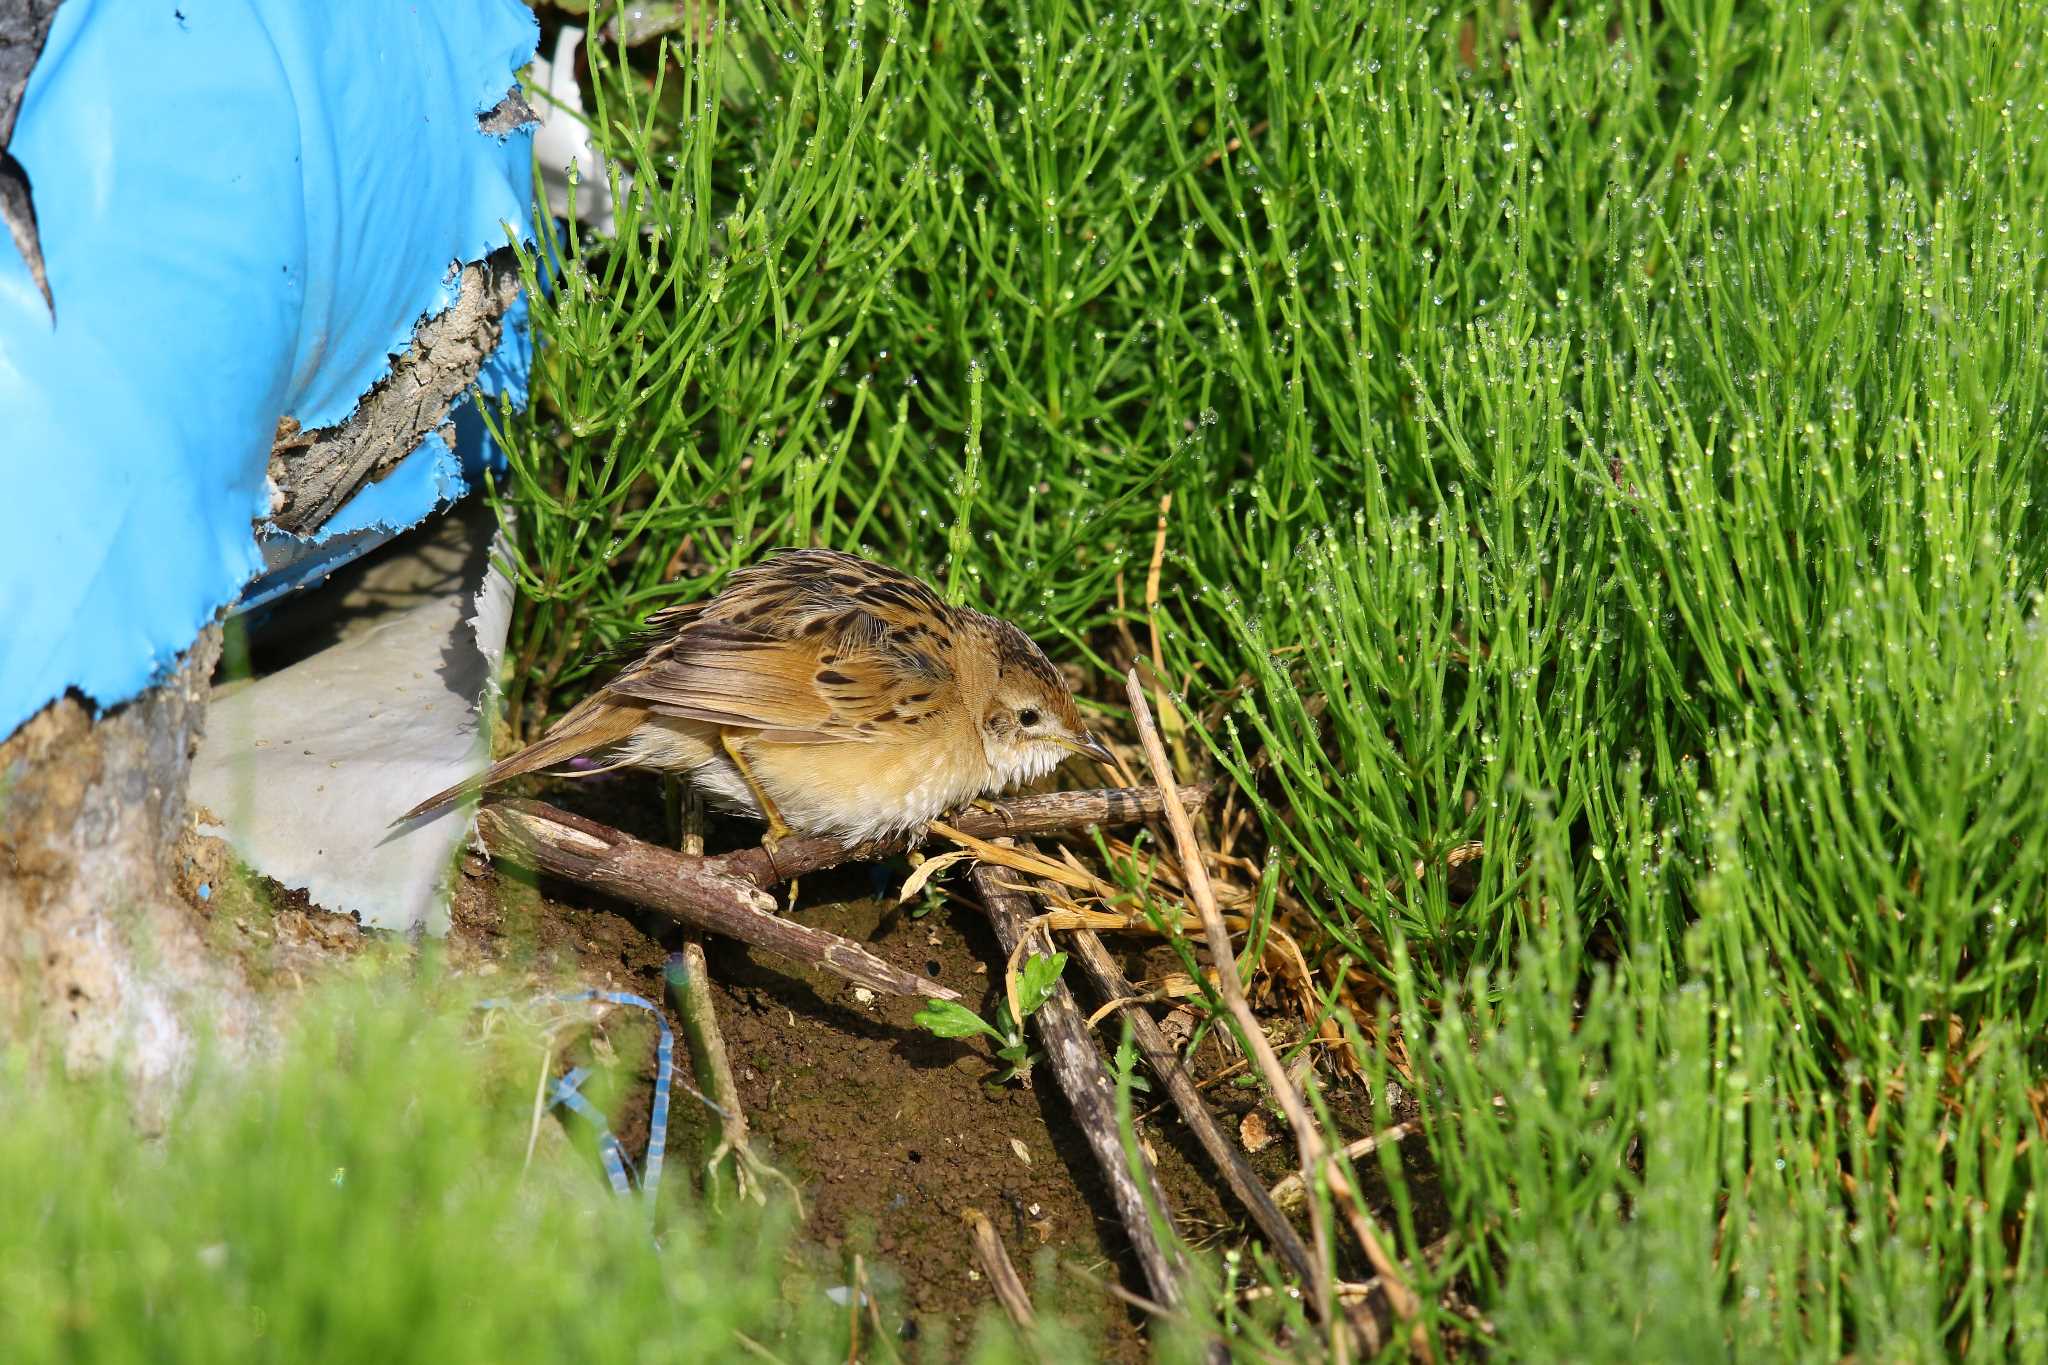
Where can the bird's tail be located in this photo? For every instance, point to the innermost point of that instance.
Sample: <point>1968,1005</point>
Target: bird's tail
<point>592,725</point>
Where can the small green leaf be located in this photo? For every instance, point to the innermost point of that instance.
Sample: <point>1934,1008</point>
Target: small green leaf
<point>951,1019</point>
<point>1035,983</point>
<point>1127,1071</point>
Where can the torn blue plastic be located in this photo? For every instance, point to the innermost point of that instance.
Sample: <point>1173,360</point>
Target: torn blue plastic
<point>431,476</point>
<point>245,209</point>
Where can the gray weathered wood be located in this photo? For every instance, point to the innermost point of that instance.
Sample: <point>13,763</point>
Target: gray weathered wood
<point>1070,1054</point>
<point>1251,1192</point>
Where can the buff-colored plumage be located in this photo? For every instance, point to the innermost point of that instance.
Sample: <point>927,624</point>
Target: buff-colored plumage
<point>846,694</point>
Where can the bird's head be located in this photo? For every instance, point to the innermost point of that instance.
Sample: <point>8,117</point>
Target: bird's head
<point>1029,722</point>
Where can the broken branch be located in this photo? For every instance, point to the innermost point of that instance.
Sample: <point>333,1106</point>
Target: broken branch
<point>685,889</point>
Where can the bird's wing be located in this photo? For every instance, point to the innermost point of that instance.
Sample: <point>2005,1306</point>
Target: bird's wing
<point>807,647</point>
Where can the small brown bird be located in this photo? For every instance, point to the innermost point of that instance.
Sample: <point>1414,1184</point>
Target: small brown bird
<point>827,695</point>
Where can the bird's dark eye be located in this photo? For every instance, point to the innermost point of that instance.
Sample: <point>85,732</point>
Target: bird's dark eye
<point>1027,718</point>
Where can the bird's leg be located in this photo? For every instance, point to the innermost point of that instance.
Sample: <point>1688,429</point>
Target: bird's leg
<point>924,831</point>
<point>777,829</point>
<point>693,822</point>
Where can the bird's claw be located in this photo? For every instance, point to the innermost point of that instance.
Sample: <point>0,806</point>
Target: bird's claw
<point>771,840</point>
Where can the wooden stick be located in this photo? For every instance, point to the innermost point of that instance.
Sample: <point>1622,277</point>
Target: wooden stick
<point>1050,813</point>
<point>1070,1052</point>
<point>689,989</point>
<point>685,889</point>
<point>1165,1062</point>
<point>1308,1138</point>
<point>1002,1275</point>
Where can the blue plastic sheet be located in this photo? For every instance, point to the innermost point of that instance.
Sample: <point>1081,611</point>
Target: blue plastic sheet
<point>245,208</point>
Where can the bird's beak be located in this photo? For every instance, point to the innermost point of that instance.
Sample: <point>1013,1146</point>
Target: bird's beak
<point>1088,746</point>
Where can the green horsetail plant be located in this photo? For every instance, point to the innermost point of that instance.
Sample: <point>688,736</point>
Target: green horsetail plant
<point>1607,455</point>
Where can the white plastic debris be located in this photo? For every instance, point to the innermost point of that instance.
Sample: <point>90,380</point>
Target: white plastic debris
<point>305,769</point>
<point>563,139</point>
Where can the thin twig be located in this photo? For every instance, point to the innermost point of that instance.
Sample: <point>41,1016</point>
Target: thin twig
<point>1308,1137</point>
<point>689,983</point>
<point>757,1348</point>
<point>1118,1292</point>
<point>1289,1190</point>
<point>1110,981</point>
<point>1170,722</point>
<point>540,1107</point>
<point>1002,1275</point>
<point>1119,1002</point>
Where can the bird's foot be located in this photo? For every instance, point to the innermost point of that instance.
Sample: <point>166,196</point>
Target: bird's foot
<point>772,839</point>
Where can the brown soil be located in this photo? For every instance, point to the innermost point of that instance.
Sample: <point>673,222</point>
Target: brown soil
<point>889,1132</point>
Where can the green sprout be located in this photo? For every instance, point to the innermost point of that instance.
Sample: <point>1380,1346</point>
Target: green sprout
<point>1035,983</point>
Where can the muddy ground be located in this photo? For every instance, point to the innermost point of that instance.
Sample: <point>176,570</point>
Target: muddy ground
<point>889,1132</point>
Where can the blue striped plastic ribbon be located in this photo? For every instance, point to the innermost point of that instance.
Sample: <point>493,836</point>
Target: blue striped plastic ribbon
<point>568,1092</point>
